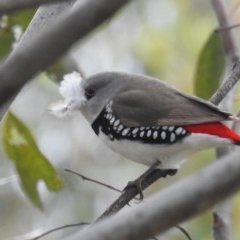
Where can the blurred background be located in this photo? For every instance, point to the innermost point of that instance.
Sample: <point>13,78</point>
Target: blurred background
<point>157,38</point>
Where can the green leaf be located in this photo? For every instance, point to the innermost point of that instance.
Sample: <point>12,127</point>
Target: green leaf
<point>210,67</point>
<point>7,24</point>
<point>30,163</point>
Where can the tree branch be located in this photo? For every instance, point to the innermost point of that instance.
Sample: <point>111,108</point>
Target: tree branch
<point>44,17</point>
<point>172,205</point>
<point>93,180</point>
<point>25,62</point>
<point>9,6</point>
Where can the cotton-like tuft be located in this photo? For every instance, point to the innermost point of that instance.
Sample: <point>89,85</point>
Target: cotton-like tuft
<point>71,89</point>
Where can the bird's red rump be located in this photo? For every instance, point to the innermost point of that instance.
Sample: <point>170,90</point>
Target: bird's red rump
<point>215,128</point>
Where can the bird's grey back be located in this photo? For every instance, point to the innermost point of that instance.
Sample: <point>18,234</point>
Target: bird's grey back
<point>141,100</point>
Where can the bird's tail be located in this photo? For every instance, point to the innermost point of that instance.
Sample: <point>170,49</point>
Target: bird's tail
<point>216,129</point>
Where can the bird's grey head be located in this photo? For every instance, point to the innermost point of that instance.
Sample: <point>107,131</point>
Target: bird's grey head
<point>89,95</point>
<point>99,89</point>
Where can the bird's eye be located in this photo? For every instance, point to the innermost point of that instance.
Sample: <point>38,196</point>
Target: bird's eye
<point>90,92</point>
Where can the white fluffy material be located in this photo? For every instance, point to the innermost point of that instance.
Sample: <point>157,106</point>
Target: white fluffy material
<point>71,90</point>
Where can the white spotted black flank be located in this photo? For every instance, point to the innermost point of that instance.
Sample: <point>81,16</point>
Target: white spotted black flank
<point>111,126</point>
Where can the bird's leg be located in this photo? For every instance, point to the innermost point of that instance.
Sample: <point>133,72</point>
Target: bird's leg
<point>137,182</point>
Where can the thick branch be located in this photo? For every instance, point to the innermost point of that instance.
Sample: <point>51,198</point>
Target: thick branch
<point>172,205</point>
<point>9,6</point>
<point>41,51</point>
<point>44,17</point>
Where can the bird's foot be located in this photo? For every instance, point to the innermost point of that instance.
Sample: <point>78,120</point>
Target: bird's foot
<point>135,184</point>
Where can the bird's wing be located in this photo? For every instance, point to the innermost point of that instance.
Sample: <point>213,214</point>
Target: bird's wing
<point>149,108</point>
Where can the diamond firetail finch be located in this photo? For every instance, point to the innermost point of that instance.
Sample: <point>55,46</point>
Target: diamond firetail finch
<point>145,119</point>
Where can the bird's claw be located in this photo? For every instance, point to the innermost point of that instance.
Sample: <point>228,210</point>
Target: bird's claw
<point>136,184</point>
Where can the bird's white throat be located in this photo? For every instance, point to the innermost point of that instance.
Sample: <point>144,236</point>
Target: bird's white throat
<point>71,90</point>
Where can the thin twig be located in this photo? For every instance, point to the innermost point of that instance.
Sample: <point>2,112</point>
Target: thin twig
<point>93,180</point>
<point>227,27</point>
<point>184,231</point>
<point>59,228</point>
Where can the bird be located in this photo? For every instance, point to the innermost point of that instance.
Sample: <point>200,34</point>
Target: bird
<point>145,119</point>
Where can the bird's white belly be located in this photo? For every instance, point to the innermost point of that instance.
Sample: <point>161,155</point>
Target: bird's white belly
<point>171,156</point>
<point>147,154</point>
